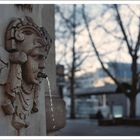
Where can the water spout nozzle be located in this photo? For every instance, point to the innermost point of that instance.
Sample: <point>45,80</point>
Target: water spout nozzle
<point>42,75</point>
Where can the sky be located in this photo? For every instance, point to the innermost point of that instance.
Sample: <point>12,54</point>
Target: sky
<point>110,48</point>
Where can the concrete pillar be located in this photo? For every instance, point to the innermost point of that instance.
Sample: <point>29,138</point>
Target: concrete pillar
<point>104,100</point>
<point>42,15</point>
<point>58,103</point>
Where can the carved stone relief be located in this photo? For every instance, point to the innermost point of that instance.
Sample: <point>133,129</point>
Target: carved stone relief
<point>4,65</point>
<point>23,7</point>
<point>27,46</point>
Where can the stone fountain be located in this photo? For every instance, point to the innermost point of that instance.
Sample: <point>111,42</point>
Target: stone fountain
<point>30,104</point>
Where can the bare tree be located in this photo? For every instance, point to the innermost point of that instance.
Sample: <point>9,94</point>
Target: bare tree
<point>132,45</point>
<point>69,34</point>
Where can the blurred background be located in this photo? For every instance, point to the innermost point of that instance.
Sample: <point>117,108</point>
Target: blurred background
<point>98,68</point>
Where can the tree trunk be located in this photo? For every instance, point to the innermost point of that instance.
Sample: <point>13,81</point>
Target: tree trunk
<point>72,78</point>
<point>72,108</point>
<point>132,100</point>
<point>132,97</point>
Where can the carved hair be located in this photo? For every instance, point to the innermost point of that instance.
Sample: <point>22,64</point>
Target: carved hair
<point>21,26</point>
<point>23,7</point>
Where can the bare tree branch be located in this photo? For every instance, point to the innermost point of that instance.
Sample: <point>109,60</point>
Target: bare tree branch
<point>138,40</point>
<point>132,11</point>
<point>82,60</point>
<point>67,21</point>
<point>119,20</point>
<point>129,33</point>
<point>93,45</point>
<point>110,33</point>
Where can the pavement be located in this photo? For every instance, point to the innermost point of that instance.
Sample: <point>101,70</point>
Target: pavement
<point>91,128</point>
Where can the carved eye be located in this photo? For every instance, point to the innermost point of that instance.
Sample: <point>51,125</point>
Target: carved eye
<point>40,57</point>
<point>37,54</point>
<point>37,57</point>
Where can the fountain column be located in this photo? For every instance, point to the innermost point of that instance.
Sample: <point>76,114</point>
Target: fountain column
<point>42,15</point>
<point>58,103</point>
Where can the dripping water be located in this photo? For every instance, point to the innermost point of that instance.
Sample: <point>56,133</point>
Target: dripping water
<point>51,103</point>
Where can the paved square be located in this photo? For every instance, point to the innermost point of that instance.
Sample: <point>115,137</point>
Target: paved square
<point>91,128</point>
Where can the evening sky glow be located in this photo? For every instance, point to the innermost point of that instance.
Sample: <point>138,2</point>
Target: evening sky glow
<point>108,46</point>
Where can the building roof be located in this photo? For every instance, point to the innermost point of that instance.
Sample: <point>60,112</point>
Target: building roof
<point>107,89</point>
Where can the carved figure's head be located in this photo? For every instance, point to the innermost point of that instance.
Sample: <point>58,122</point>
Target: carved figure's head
<point>28,45</point>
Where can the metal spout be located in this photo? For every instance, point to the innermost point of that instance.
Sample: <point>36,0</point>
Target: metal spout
<point>42,75</point>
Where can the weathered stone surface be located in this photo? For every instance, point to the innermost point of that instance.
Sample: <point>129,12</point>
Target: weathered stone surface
<point>4,65</point>
<point>28,46</point>
<point>42,15</point>
<point>19,42</point>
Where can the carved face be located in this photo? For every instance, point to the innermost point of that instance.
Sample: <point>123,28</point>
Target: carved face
<point>28,46</point>
<point>32,46</point>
